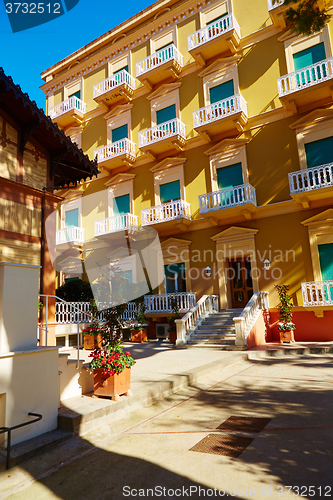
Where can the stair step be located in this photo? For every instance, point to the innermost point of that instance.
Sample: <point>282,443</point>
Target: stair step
<point>217,346</point>
<point>215,330</point>
<point>213,336</point>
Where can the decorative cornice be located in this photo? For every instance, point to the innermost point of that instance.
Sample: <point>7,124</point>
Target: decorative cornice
<point>325,217</point>
<point>234,232</point>
<point>227,144</point>
<point>219,64</point>
<point>168,163</point>
<point>119,178</point>
<point>117,110</point>
<point>318,115</point>
<point>164,89</point>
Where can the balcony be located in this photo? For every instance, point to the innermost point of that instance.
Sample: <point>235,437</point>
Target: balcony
<point>122,222</point>
<point>239,200</point>
<point>73,235</point>
<point>312,84</point>
<point>162,65</point>
<point>312,184</point>
<point>167,136</point>
<point>277,10</point>
<point>173,210</point>
<point>118,87</point>
<point>220,37</point>
<point>116,154</point>
<point>223,116</point>
<point>317,293</point>
<point>159,304</point>
<point>69,112</point>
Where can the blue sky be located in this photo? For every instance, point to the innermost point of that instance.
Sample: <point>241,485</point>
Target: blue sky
<point>24,55</point>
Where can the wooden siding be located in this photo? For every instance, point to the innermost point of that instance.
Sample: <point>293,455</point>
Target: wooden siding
<point>19,251</point>
<point>34,167</point>
<point>8,150</point>
<point>19,218</point>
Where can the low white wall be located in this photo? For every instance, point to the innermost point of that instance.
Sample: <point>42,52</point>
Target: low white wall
<point>29,382</point>
<point>74,381</point>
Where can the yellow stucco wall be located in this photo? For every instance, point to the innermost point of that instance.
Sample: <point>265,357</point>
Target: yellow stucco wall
<point>94,135</point>
<point>249,23</point>
<point>89,81</point>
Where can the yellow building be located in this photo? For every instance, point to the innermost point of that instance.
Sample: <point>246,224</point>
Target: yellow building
<point>213,123</point>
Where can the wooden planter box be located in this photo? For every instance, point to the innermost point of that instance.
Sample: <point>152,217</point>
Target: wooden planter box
<point>286,336</point>
<point>139,336</point>
<point>90,342</point>
<point>172,336</point>
<point>112,385</point>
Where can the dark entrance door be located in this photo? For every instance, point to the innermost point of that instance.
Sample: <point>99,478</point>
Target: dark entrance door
<point>240,277</point>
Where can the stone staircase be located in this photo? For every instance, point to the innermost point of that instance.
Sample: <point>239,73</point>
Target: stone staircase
<point>217,331</point>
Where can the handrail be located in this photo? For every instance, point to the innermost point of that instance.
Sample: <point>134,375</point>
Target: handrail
<point>245,321</point>
<point>185,326</point>
<point>10,429</point>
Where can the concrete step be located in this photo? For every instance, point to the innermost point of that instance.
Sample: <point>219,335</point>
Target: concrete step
<point>212,341</point>
<point>34,446</point>
<point>223,331</point>
<point>210,337</point>
<point>222,347</point>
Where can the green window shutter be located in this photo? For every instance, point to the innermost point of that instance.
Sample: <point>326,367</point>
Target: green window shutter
<point>175,283</point>
<point>326,261</point>
<point>72,218</point>
<point>309,56</point>
<point>170,191</point>
<point>76,94</point>
<point>222,91</point>
<point>231,176</point>
<point>120,133</point>
<point>166,114</point>
<point>121,204</point>
<point>121,69</point>
<point>121,77</point>
<point>319,152</point>
<point>166,52</point>
<point>213,21</point>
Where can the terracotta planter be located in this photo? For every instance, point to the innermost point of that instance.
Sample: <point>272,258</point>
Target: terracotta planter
<point>112,385</point>
<point>286,336</point>
<point>90,342</point>
<point>172,336</point>
<point>139,336</point>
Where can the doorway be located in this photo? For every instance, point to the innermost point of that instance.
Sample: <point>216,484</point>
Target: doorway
<point>240,276</point>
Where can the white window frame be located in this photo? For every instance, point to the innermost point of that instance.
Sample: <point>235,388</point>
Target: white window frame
<point>213,11</point>
<point>312,133</point>
<point>168,170</point>
<point>120,186</point>
<point>73,87</point>
<point>159,102</point>
<point>160,40</point>
<point>225,158</point>
<point>220,75</point>
<point>67,207</point>
<point>117,118</point>
<point>120,62</point>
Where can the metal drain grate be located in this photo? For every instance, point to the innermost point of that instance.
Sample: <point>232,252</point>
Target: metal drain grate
<point>244,424</point>
<point>220,444</point>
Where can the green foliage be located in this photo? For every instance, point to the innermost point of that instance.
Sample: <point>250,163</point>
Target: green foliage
<point>284,308</point>
<point>112,360</point>
<point>140,317</point>
<point>171,319</point>
<point>75,290</point>
<point>305,18</point>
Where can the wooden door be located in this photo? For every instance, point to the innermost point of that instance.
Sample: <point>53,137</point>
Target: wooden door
<point>240,277</point>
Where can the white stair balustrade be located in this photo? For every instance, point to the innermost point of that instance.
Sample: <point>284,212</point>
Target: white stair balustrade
<point>207,304</point>
<point>272,4</point>
<point>71,234</point>
<point>123,146</point>
<point>72,103</point>
<point>114,81</point>
<point>116,223</point>
<point>251,312</point>
<point>158,58</point>
<point>226,198</point>
<point>219,110</point>
<point>162,303</point>
<point>178,209</point>
<point>72,312</point>
<point>311,178</point>
<point>213,30</point>
<point>306,77</point>
<point>162,131</point>
<point>317,293</point>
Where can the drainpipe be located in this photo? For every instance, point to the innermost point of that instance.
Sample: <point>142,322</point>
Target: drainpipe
<point>42,251</point>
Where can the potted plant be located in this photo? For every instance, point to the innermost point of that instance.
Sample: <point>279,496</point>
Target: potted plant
<point>171,320</point>
<point>92,337</point>
<point>139,330</point>
<point>285,326</point>
<point>112,371</point>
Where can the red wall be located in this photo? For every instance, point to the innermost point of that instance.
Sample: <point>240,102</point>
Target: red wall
<point>309,328</point>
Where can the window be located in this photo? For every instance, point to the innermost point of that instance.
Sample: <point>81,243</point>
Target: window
<point>170,191</point>
<point>76,94</point>
<point>121,204</point>
<point>319,152</point>
<point>166,52</point>
<point>309,56</point>
<point>119,76</point>
<point>119,133</point>
<point>174,278</point>
<point>222,91</point>
<point>229,177</point>
<point>326,261</point>
<point>72,218</point>
<point>166,114</point>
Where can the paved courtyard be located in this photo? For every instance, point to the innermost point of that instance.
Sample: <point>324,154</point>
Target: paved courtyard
<point>150,454</point>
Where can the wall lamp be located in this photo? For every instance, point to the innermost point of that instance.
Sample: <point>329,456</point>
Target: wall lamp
<point>208,272</point>
<point>267,264</point>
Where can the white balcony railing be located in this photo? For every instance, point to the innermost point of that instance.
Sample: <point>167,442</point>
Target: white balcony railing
<point>272,4</point>
<point>212,31</point>
<point>317,293</point>
<point>162,131</point>
<point>248,317</point>
<point>124,146</point>
<point>71,234</point>
<point>116,223</point>
<point>159,58</point>
<point>67,105</point>
<point>226,198</point>
<point>206,305</point>
<point>162,303</point>
<point>311,178</point>
<point>178,209</point>
<point>306,77</point>
<point>113,82</point>
<point>74,312</point>
<point>219,110</point>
